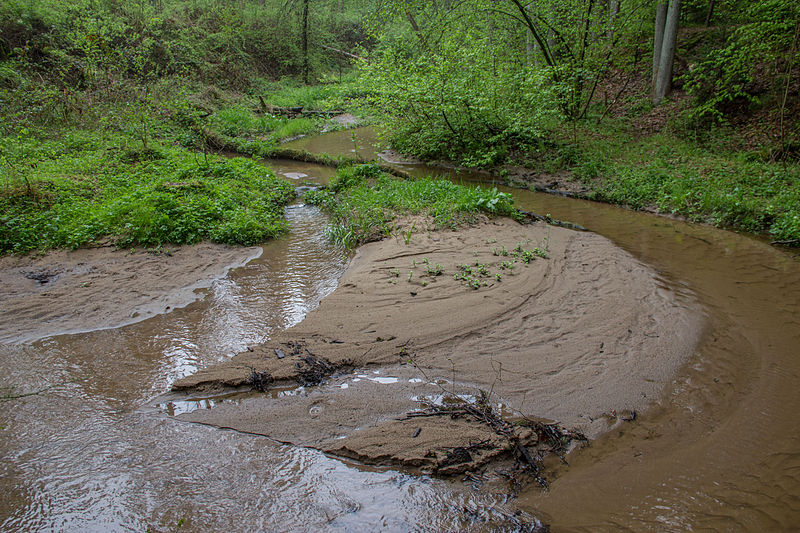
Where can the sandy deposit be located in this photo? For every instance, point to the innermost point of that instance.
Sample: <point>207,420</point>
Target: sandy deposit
<point>95,288</point>
<point>580,337</point>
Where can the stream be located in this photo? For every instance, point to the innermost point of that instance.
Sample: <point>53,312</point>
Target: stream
<point>718,450</point>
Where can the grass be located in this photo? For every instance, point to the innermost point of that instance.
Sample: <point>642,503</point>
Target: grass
<point>684,179</point>
<point>238,121</point>
<point>331,94</point>
<point>363,201</point>
<point>701,180</point>
<point>74,189</point>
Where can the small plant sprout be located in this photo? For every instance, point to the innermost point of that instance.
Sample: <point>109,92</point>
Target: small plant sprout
<point>407,234</point>
<point>424,283</point>
<point>410,275</point>
<point>434,270</point>
<point>498,277</point>
<point>395,272</point>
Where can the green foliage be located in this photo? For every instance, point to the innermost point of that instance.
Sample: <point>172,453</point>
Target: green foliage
<point>72,191</point>
<point>93,43</point>
<point>764,41</point>
<point>361,211</point>
<point>676,177</point>
<point>472,83</point>
<point>238,121</point>
<point>452,103</point>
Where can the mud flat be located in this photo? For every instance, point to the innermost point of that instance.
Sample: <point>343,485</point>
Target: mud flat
<point>585,337</point>
<point>105,287</point>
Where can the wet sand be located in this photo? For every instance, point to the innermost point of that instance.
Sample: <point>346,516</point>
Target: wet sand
<point>585,337</point>
<point>105,287</point>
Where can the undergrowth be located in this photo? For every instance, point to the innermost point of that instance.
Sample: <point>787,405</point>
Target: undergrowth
<point>739,191</point>
<point>362,202</point>
<point>702,182</point>
<point>81,187</point>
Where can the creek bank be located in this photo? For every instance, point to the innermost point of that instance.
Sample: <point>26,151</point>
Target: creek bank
<point>558,183</point>
<point>64,291</point>
<point>576,337</point>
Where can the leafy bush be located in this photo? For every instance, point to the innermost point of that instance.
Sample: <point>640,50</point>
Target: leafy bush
<point>762,41</point>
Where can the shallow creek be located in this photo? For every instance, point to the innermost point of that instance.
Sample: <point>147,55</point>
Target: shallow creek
<point>719,449</point>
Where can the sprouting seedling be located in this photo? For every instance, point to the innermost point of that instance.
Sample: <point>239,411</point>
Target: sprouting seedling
<point>498,277</point>
<point>395,272</point>
<point>434,270</point>
<point>410,275</point>
<point>407,234</point>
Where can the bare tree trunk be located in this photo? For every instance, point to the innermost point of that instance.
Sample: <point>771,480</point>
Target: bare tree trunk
<point>664,77</point>
<point>613,11</point>
<point>304,43</point>
<point>709,13</point>
<point>658,38</point>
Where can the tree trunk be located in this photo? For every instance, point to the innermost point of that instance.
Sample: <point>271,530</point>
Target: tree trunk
<point>305,41</point>
<point>548,58</point>
<point>658,38</point>
<point>709,13</point>
<point>664,77</point>
<point>613,12</point>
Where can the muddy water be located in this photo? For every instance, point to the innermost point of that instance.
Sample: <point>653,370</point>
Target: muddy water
<point>718,451</point>
<point>721,449</point>
<point>89,454</point>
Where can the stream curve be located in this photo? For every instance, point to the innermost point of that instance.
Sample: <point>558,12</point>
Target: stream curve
<point>718,450</point>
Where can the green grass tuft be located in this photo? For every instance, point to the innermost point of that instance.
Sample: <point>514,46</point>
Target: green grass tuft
<point>362,201</point>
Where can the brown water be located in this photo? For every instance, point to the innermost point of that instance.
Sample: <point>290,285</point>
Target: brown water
<point>94,453</point>
<point>719,451</point>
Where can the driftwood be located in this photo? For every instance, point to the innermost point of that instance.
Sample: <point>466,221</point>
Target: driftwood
<point>535,217</point>
<point>793,242</point>
<point>348,54</point>
<point>554,437</point>
<point>293,112</point>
